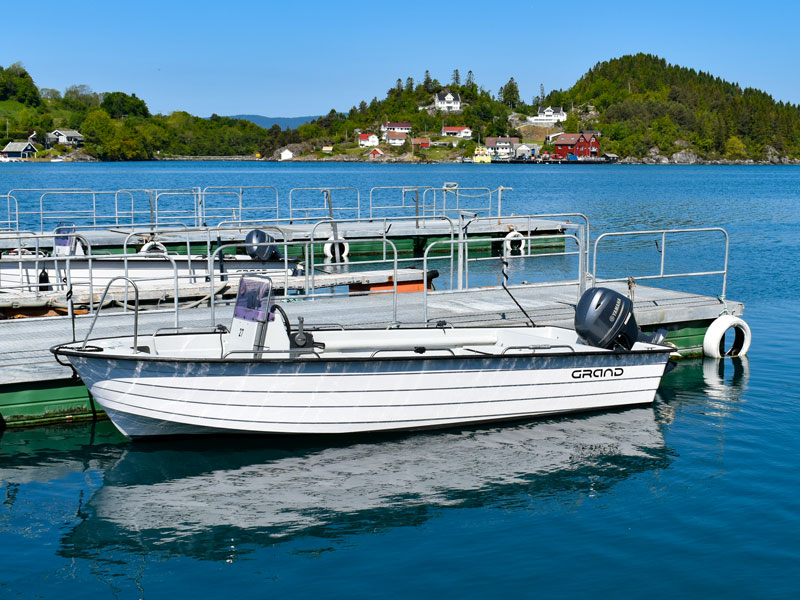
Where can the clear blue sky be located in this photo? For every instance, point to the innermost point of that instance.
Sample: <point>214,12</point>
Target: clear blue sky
<point>304,58</point>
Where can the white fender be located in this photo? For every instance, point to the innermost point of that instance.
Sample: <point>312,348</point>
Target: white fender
<point>153,247</point>
<point>508,245</point>
<point>328,248</point>
<point>716,332</point>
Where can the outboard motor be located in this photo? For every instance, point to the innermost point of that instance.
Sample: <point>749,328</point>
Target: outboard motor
<point>604,318</point>
<point>262,252</point>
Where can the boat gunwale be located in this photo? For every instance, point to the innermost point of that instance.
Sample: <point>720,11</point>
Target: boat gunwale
<point>314,357</point>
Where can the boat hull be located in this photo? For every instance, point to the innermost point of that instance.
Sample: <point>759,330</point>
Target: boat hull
<point>154,397</point>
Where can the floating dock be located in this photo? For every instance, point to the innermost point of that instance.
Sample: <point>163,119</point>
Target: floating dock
<point>460,232</point>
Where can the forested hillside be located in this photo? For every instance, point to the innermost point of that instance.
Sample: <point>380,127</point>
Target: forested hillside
<point>641,101</point>
<point>118,126</point>
<point>641,105</point>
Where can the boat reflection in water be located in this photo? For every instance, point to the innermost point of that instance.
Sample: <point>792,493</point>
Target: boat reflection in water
<point>187,499</point>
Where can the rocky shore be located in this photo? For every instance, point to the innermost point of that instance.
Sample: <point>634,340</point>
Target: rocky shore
<point>687,156</point>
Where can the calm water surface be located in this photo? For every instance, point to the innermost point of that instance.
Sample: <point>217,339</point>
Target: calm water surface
<point>697,496</point>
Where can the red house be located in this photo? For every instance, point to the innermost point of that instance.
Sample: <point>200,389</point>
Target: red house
<point>579,144</point>
<point>421,142</point>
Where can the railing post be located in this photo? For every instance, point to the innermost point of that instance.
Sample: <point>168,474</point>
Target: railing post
<point>581,262</point>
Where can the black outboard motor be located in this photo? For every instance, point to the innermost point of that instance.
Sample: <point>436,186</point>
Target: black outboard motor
<point>263,251</point>
<point>604,318</point>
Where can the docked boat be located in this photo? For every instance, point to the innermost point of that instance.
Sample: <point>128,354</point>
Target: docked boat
<point>482,155</point>
<point>263,375</point>
<point>69,265</point>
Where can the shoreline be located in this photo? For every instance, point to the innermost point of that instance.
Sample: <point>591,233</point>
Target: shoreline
<point>785,161</point>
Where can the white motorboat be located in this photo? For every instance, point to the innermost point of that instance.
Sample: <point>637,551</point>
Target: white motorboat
<point>264,376</point>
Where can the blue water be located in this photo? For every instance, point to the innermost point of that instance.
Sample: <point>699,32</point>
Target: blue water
<point>697,496</point>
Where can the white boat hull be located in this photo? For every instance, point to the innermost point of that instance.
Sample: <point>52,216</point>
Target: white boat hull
<point>31,274</point>
<point>146,397</point>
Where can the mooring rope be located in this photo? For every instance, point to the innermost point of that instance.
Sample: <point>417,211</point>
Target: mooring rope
<point>505,279</point>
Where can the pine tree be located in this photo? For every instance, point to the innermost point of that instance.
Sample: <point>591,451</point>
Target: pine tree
<point>510,93</point>
<point>428,82</point>
<point>456,78</point>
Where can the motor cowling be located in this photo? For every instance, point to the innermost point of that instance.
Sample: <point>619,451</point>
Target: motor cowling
<point>259,245</point>
<point>604,318</point>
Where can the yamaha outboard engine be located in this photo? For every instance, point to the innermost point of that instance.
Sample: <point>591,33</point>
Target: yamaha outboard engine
<point>263,251</point>
<point>604,318</point>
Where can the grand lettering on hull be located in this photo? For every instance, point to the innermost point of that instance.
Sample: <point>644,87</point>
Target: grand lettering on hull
<point>597,373</point>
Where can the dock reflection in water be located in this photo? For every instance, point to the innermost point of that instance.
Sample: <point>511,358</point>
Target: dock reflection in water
<point>183,498</point>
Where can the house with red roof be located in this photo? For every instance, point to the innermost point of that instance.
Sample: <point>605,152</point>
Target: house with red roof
<point>396,138</point>
<point>366,140</point>
<point>401,127</point>
<point>422,143</point>
<point>501,147</point>
<point>582,145</point>
<point>459,132</point>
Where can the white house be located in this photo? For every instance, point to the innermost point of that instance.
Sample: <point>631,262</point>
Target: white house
<point>286,154</point>
<point>459,132</point>
<point>396,138</point>
<point>68,137</point>
<point>402,127</point>
<point>447,101</point>
<point>365,140</point>
<point>549,116</point>
<point>502,147</point>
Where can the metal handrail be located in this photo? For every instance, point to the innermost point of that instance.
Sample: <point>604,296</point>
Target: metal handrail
<point>412,349</point>
<point>586,232</point>
<point>9,221</point>
<point>206,211</point>
<point>535,347</point>
<point>331,208</point>
<point>266,350</point>
<point>404,189</point>
<point>663,250</point>
<point>463,243</point>
<point>135,314</point>
<point>459,192</point>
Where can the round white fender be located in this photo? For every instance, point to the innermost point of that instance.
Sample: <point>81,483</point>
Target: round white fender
<point>153,247</point>
<point>713,340</point>
<point>328,248</point>
<point>514,242</point>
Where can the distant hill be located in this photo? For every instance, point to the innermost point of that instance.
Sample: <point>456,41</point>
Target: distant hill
<point>640,102</point>
<point>283,122</point>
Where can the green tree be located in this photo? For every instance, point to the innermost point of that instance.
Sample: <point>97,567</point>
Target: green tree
<point>98,132</point>
<point>427,82</point>
<point>510,94</point>
<point>119,105</point>
<point>571,124</point>
<point>735,148</point>
<point>80,97</point>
